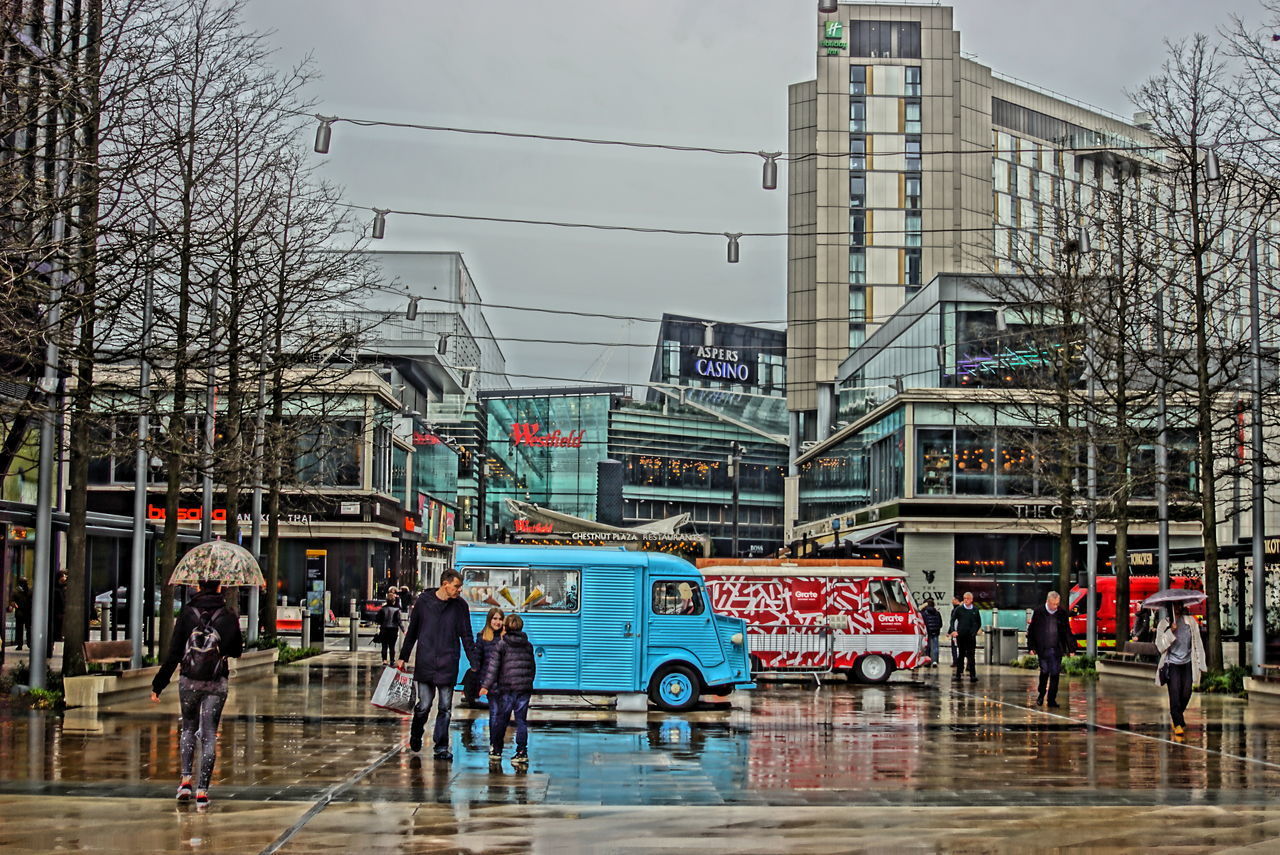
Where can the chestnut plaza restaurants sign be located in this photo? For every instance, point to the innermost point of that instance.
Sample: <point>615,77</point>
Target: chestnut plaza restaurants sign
<point>726,365</point>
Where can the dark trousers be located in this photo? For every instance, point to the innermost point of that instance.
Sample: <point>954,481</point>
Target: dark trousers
<point>428,693</point>
<point>1050,670</point>
<point>201,712</point>
<point>966,646</point>
<point>21,629</point>
<point>1179,687</point>
<point>388,645</point>
<point>509,705</point>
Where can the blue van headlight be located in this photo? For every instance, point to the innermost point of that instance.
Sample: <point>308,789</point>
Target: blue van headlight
<point>736,638</point>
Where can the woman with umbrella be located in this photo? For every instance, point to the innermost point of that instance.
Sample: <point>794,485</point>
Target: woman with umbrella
<point>206,634</point>
<point>1182,658</point>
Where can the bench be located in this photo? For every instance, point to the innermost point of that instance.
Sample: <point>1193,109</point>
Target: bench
<point>108,652</point>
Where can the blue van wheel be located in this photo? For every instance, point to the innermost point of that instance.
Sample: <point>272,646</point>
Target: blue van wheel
<point>675,689</point>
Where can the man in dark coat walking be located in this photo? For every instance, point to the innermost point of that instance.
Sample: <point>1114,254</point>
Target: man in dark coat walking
<point>966,623</point>
<point>438,624</point>
<point>1049,638</point>
<point>933,628</point>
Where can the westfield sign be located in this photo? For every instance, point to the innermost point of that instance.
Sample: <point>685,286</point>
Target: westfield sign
<point>524,433</point>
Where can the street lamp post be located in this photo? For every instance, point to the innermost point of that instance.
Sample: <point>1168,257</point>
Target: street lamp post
<point>735,466</point>
<point>1162,450</point>
<point>1259,517</point>
<point>142,474</point>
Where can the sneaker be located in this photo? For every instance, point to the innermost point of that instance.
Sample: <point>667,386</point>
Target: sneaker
<point>202,799</point>
<point>415,744</point>
<point>1053,705</point>
<point>521,759</point>
<point>973,679</point>
<point>443,755</point>
<point>1179,730</point>
<point>1039,700</point>
<point>184,792</point>
<point>495,756</point>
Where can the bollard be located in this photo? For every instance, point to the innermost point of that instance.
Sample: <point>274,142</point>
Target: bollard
<point>306,628</point>
<point>355,626</point>
<point>104,621</point>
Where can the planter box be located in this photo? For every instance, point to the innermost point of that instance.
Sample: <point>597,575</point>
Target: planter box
<point>1266,691</point>
<point>1127,669</point>
<point>100,690</point>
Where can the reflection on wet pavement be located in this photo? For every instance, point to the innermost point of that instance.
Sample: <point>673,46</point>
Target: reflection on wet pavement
<point>916,761</point>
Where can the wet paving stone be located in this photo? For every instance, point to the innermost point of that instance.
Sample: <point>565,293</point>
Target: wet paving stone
<point>914,765</point>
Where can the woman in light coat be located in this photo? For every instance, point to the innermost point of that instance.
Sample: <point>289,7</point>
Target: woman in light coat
<point>1182,654</point>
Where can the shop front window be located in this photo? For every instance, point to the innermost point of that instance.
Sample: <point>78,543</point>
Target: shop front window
<point>936,461</point>
<point>975,462</point>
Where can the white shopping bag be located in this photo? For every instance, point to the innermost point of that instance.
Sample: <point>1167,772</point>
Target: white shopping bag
<point>395,691</point>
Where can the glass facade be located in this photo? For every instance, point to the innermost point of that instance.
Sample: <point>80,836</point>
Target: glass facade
<point>543,448</point>
<point>864,469</point>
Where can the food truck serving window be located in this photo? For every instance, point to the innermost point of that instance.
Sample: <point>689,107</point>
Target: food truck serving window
<point>888,595</point>
<point>677,598</point>
<point>521,589</point>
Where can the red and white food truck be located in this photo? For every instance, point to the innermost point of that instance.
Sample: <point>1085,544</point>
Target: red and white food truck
<point>851,616</point>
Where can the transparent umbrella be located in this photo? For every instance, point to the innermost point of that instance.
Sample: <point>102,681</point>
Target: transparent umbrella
<point>227,562</point>
<point>1171,596</point>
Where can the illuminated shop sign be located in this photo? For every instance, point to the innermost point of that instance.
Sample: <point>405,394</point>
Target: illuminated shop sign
<point>720,363</point>
<point>524,433</point>
<point>527,527</point>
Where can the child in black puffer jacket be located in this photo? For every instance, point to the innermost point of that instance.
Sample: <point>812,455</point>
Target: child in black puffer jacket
<point>508,676</point>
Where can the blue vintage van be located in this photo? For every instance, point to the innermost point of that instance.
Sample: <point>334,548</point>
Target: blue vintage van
<point>610,621</point>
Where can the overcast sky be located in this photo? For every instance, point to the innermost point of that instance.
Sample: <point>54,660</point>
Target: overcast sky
<point>710,73</point>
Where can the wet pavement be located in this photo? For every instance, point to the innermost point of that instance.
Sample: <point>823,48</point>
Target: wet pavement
<point>919,764</point>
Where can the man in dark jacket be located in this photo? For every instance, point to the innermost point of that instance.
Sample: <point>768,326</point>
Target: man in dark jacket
<point>438,624</point>
<point>389,620</point>
<point>508,675</point>
<point>202,685</point>
<point>1049,638</point>
<point>933,628</point>
<point>966,623</point>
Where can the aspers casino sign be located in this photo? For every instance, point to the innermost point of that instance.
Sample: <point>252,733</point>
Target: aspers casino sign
<point>720,363</point>
<point>529,433</point>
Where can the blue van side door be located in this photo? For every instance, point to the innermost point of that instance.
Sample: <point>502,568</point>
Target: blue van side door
<point>611,628</point>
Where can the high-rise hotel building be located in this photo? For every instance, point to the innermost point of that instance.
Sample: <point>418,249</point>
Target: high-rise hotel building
<point>925,162</point>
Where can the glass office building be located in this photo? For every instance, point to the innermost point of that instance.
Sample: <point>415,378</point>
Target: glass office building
<point>940,469</point>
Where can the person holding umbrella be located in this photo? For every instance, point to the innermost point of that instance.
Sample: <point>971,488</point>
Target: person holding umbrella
<point>1182,659</point>
<point>206,634</point>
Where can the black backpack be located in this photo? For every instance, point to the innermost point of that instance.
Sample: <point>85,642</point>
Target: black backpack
<point>202,659</point>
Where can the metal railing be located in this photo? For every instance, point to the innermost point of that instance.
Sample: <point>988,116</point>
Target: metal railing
<point>805,649</point>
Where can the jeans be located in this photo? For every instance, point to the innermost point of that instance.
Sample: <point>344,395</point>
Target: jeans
<point>509,704</point>
<point>1050,669</point>
<point>427,693</point>
<point>201,712</point>
<point>388,646</point>
<point>1179,687</point>
<point>932,649</point>
<point>966,646</point>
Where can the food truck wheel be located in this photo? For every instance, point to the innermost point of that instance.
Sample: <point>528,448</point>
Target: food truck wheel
<point>872,668</point>
<point>674,688</point>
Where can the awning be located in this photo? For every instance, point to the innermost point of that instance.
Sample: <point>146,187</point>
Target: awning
<point>871,536</point>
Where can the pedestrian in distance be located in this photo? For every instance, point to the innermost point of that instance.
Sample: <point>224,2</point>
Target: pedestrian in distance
<point>508,677</point>
<point>486,640</point>
<point>1182,661</point>
<point>933,628</point>
<point>390,619</point>
<point>21,606</point>
<point>440,627</point>
<point>1050,639</point>
<point>966,623</point>
<point>951,625</point>
<point>206,634</point>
